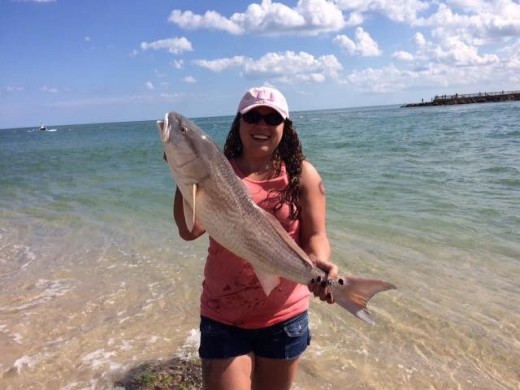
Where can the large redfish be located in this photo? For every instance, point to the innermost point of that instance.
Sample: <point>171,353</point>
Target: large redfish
<point>216,197</point>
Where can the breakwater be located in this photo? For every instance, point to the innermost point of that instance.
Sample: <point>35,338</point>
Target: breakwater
<point>480,97</point>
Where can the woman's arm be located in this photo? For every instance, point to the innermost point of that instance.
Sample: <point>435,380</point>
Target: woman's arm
<point>313,234</point>
<point>178,215</point>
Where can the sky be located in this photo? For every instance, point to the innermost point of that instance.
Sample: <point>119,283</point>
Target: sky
<point>71,61</point>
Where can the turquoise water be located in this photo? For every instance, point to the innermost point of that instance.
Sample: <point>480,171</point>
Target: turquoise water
<point>94,279</point>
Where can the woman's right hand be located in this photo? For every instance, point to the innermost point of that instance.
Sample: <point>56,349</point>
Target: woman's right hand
<point>320,287</point>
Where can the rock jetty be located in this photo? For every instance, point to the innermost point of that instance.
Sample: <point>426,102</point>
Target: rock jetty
<point>481,97</point>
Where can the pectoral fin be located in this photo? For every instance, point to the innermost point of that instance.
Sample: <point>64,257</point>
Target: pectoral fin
<point>267,281</point>
<point>189,212</point>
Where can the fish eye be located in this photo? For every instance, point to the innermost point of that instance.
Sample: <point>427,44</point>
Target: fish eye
<point>184,129</point>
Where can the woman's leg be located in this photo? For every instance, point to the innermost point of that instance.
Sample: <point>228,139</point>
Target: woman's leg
<point>225,374</point>
<point>274,373</point>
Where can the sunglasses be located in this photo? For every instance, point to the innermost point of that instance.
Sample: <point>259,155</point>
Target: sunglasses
<point>271,119</point>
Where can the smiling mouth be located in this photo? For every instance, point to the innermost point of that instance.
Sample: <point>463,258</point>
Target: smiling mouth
<point>260,137</point>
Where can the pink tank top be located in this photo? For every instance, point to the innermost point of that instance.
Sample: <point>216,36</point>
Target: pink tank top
<point>231,292</point>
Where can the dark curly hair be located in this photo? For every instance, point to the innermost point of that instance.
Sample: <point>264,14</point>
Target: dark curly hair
<point>289,151</point>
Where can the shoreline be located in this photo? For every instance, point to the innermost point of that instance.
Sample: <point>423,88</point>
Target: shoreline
<point>97,282</point>
<point>481,97</point>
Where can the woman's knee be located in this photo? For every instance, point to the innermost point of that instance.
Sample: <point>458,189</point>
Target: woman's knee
<point>274,373</point>
<point>231,373</point>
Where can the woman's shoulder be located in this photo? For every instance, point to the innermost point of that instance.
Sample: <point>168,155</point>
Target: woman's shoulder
<point>309,172</point>
<point>310,179</point>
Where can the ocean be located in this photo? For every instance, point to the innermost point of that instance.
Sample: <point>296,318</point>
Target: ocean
<point>94,280</point>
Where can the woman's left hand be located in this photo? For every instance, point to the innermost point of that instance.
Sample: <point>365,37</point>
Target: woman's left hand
<point>320,287</point>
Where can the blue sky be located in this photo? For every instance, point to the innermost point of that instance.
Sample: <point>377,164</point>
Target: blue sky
<point>67,61</point>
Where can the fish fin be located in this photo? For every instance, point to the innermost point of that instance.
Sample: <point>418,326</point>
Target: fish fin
<point>267,281</point>
<point>353,293</point>
<point>189,212</point>
<point>283,234</point>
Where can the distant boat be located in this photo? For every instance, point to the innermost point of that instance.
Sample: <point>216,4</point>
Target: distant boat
<point>45,129</point>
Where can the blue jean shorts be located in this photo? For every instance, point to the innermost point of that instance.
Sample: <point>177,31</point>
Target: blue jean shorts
<point>286,340</point>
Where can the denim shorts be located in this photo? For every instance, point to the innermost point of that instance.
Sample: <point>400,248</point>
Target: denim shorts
<point>286,340</point>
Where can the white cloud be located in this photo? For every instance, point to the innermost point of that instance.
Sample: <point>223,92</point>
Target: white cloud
<point>390,78</point>
<point>210,20</point>
<point>452,39</point>
<point>355,19</point>
<point>419,39</point>
<point>382,80</point>
<point>189,79</point>
<point>178,64</point>
<point>309,17</point>
<point>451,50</point>
<point>50,89</point>
<point>286,66</point>
<point>321,14</point>
<point>302,65</point>
<point>173,45</point>
<point>221,64</point>
<point>512,55</point>
<point>478,22</point>
<point>457,44</point>
<point>148,85</point>
<point>169,96</point>
<point>403,55</point>
<point>269,18</point>
<point>363,45</point>
<point>12,89</point>
<point>345,43</point>
<point>403,11</point>
<point>464,43</point>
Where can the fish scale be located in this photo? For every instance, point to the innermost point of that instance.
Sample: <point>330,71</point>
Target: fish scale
<point>225,210</point>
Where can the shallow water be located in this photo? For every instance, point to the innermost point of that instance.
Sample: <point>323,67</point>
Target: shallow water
<point>94,281</point>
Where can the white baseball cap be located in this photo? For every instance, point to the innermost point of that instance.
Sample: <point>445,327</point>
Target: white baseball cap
<point>264,96</point>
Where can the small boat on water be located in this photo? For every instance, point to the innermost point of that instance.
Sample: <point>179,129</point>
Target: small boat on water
<point>45,129</point>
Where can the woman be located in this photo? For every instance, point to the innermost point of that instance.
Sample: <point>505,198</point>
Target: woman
<point>250,340</point>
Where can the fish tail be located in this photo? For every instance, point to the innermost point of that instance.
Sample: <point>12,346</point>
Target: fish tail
<point>353,293</point>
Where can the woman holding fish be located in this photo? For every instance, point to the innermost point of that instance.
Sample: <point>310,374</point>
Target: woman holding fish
<point>254,325</point>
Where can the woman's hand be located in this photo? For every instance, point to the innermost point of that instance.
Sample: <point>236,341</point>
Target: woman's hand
<point>319,286</point>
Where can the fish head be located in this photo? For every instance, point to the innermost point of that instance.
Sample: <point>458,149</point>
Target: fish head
<point>187,148</point>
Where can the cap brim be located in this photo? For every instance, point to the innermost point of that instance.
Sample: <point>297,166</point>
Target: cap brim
<point>249,108</point>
